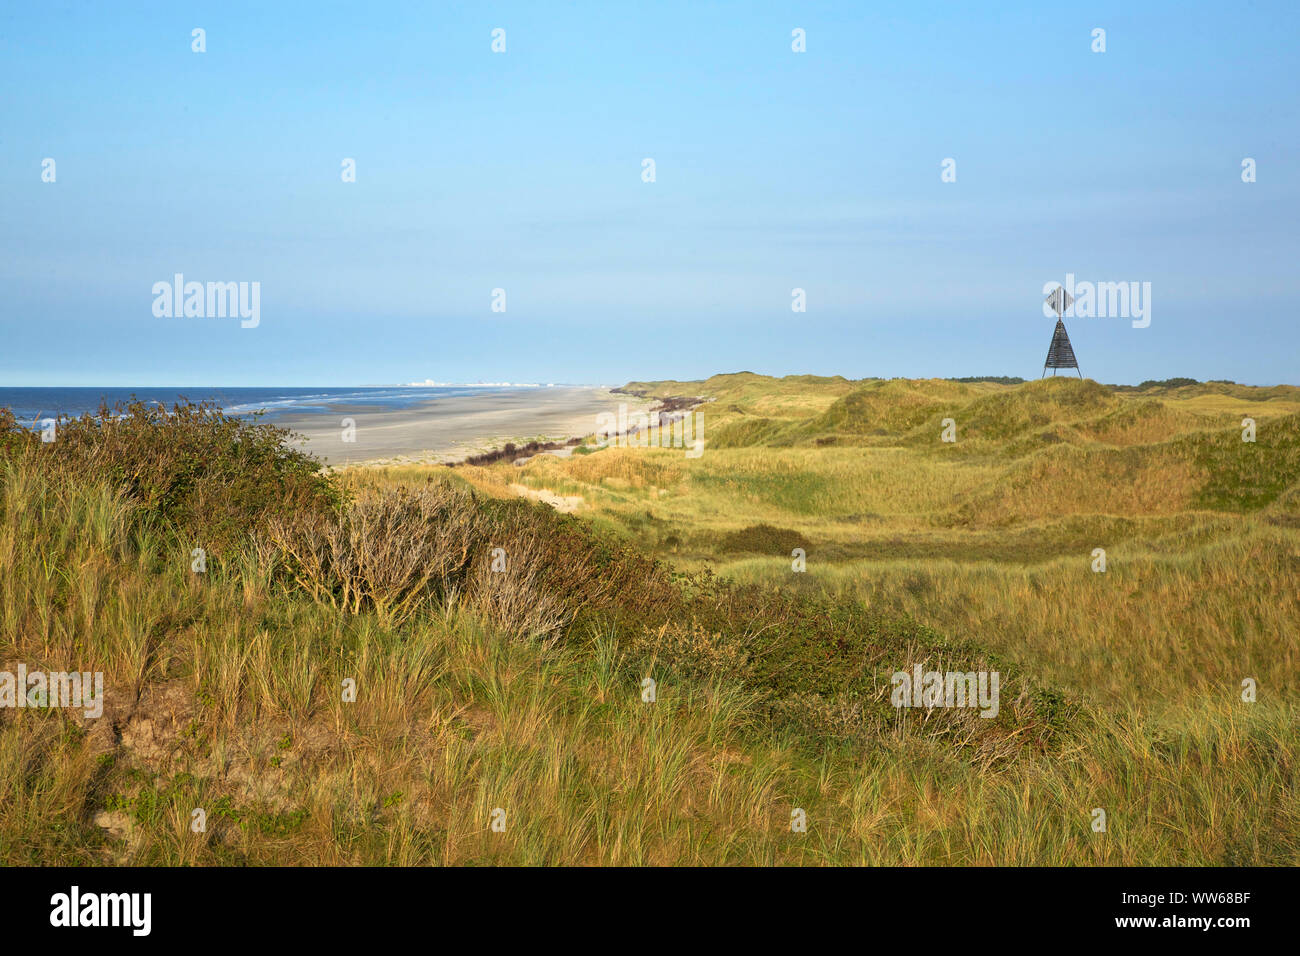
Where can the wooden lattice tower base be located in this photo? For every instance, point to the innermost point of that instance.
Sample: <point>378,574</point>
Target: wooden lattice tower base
<point>1060,354</point>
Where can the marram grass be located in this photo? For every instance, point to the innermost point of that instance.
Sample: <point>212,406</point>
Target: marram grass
<point>225,688</point>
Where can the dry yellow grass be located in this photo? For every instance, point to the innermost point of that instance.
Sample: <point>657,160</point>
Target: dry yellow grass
<point>225,690</point>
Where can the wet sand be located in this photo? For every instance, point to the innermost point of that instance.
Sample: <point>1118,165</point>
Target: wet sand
<point>454,427</point>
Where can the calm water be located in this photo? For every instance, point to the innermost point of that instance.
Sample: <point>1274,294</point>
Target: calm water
<point>28,404</point>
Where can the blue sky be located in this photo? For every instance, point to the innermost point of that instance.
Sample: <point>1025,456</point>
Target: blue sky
<point>522,171</point>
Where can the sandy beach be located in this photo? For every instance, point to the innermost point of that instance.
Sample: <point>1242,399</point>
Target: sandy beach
<point>454,427</point>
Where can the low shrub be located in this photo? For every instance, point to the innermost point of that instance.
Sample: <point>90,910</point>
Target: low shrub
<point>522,567</point>
<point>763,539</point>
<point>215,477</point>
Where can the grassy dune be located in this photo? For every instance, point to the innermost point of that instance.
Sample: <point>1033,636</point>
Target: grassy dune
<point>520,689</point>
<point>990,538</point>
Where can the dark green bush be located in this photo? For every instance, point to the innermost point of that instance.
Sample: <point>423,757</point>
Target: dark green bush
<point>215,477</point>
<point>763,539</point>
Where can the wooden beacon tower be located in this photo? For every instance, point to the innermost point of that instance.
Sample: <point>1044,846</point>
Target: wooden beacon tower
<point>1060,354</point>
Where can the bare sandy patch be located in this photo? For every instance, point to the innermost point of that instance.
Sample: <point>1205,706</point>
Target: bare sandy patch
<point>567,504</point>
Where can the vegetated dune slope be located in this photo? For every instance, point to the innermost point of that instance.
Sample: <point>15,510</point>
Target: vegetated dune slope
<point>374,667</point>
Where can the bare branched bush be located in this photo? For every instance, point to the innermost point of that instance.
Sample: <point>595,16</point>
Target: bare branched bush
<point>390,552</point>
<point>535,588</point>
<point>521,567</point>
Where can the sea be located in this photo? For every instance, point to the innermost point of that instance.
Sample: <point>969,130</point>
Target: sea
<point>30,405</point>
